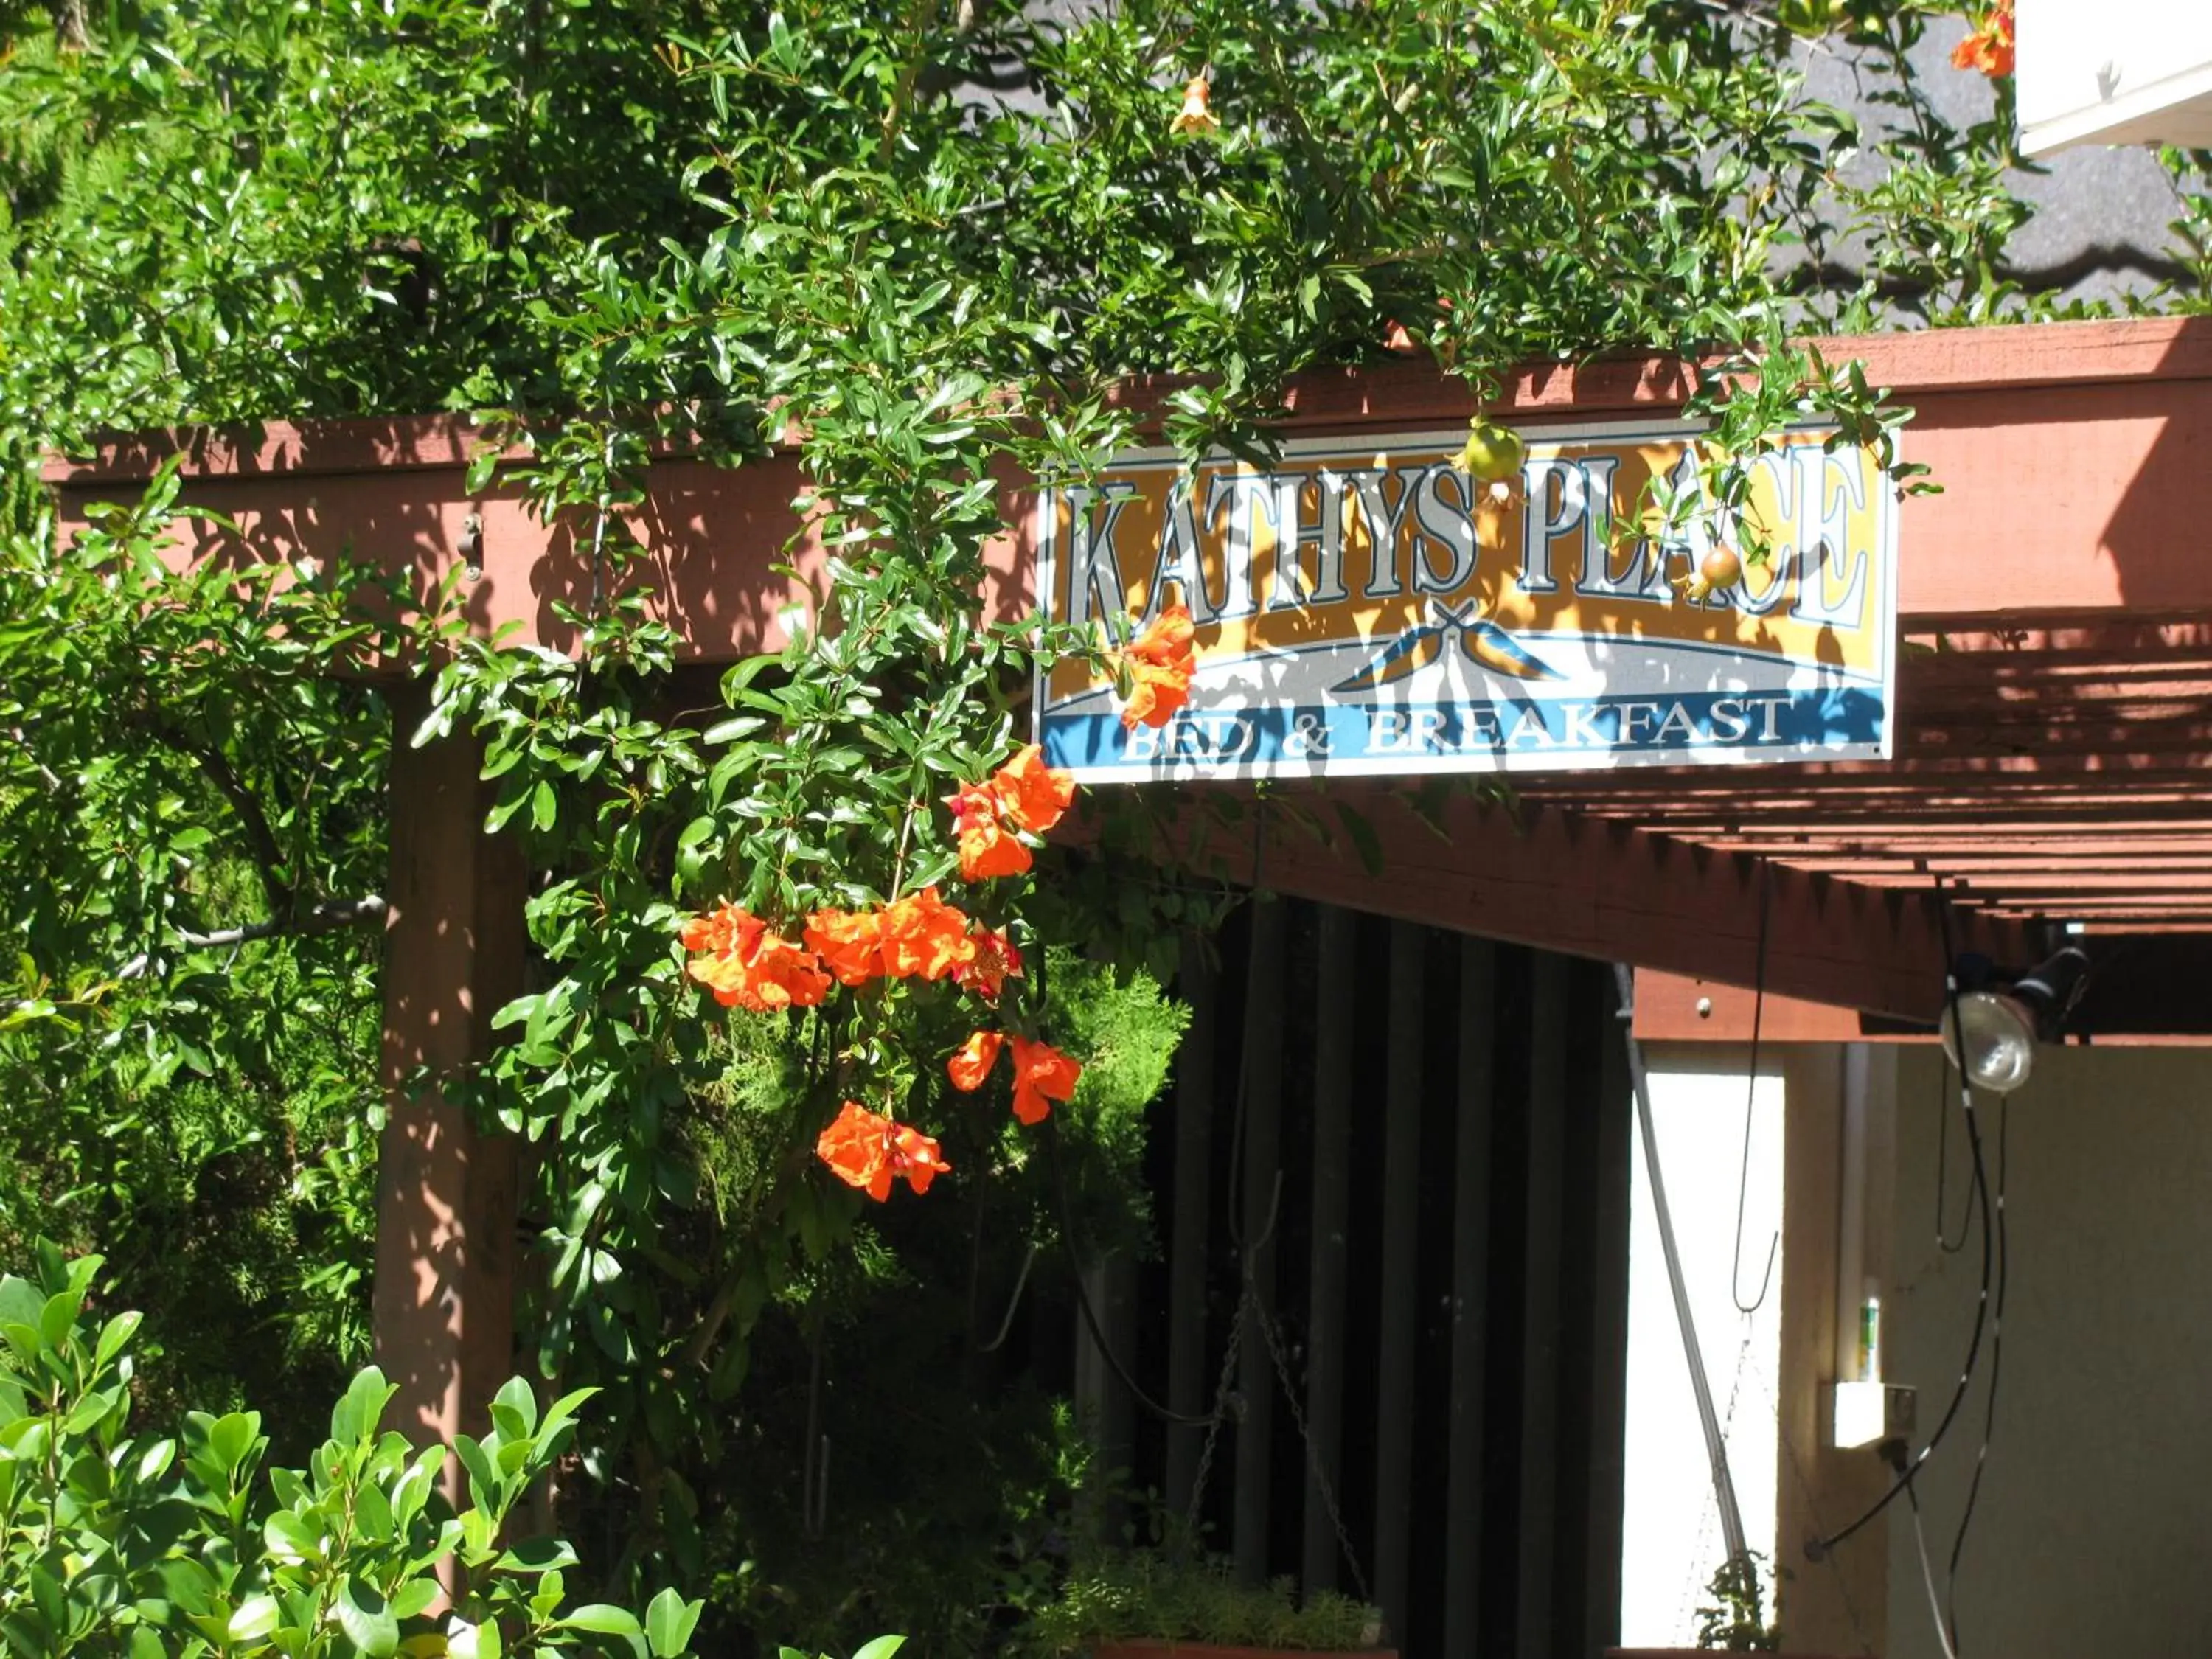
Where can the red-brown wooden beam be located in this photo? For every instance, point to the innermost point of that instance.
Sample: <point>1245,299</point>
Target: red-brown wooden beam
<point>2073,457</point>
<point>2139,991</point>
<point>1561,882</point>
<point>1683,1008</point>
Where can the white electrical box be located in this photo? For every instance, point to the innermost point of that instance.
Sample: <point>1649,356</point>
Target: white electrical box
<point>1867,1413</point>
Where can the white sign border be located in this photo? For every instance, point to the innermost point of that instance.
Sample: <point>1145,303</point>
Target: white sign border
<point>1159,457</point>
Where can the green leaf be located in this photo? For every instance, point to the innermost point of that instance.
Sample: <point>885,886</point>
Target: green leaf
<point>366,1618</point>
<point>603,1619</point>
<point>255,1618</point>
<point>518,1397</point>
<point>355,1417</point>
<point>534,1555</point>
<point>483,1480</point>
<point>20,1303</point>
<point>291,1538</point>
<point>114,1335</point>
<point>669,1622</point>
<point>230,1439</point>
<point>89,1411</point>
<point>372,1515</point>
<point>882,1648</point>
<point>414,1598</point>
<point>58,1317</point>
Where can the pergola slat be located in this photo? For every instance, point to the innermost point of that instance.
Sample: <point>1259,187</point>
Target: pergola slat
<point>2065,684</point>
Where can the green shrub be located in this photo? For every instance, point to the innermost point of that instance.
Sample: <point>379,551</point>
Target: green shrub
<point>1120,1594</point>
<point>144,1546</point>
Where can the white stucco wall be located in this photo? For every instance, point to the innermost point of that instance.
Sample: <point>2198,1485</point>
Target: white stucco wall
<point>1671,1536</point>
<point>2094,1531</point>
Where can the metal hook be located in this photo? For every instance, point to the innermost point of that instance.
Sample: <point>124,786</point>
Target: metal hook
<point>472,546</point>
<point>1021,1282</point>
<point>1750,1093</point>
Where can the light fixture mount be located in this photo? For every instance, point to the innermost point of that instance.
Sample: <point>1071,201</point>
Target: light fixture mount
<point>2003,1017</point>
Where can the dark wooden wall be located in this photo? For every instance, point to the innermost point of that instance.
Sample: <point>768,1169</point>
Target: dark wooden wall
<point>1424,1137</point>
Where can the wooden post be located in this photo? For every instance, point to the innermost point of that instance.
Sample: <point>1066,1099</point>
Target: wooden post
<point>1470,1299</point>
<point>1103,1402</point>
<point>1262,1064</point>
<point>444,1299</point>
<point>1607,1316</point>
<point>1402,1191</point>
<point>1188,1382</point>
<point>1332,1153</point>
<point>1541,1313</point>
<point>1837,1605</point>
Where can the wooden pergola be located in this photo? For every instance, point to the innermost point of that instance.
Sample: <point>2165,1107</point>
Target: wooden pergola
<point>2052,766</point>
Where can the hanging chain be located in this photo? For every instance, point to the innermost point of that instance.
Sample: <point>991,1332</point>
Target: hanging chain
<point>1249,1305</point>
<point>1305,1440</point>
<point>1222,1397</point>
<point>1248,1302</point>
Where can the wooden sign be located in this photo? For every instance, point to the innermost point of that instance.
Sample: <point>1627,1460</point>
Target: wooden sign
<point>1364,607</point>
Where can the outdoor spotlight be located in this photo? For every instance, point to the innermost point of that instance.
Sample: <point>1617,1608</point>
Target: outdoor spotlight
<point>2002,1025</point>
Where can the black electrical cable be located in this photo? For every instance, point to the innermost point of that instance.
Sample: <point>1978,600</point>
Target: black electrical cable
<point>1943,1241</point>
<point>1750,1094</point>
<point>1990,1408</point>
<point>1166,1415</point>
<point>1182,1419</point>
<point>1817,1549</point>
<point>1927,1577</point>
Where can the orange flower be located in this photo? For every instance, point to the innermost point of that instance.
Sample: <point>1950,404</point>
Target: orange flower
<point>725,930</point>
<point>986,848</point>
<point>1989,48</point>
<point>972,1062</point>
<point>776,975</point>
<point>1160,661</point>
<point>857,1149</point>
<point>924,937</point>
<point>1168,640</point>
<point>1034,795</point>
<point>869,1151</point>
<point>1396,338</point>
<point>849,943</point>
<point>916,1156</point>
<point>996,961</point>
<point>1042,1075</point>
<point>746,966</point>
<point>1197,112</point>
<point>1155,694</point>
<point>1023,794</point>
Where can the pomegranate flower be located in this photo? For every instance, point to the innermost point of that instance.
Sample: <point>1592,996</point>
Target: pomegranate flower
<point>1024,794</point>
<point>1042,1075</point>
<point>849,943</point>
<point>997,961</point>
<point>1197,114</point>
<point>869,1151</point>
<point>1159,662</point>
<point>925,937</point>
<point>972,1062</point>
<point>746,966</point>
<point>1989,48</point>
